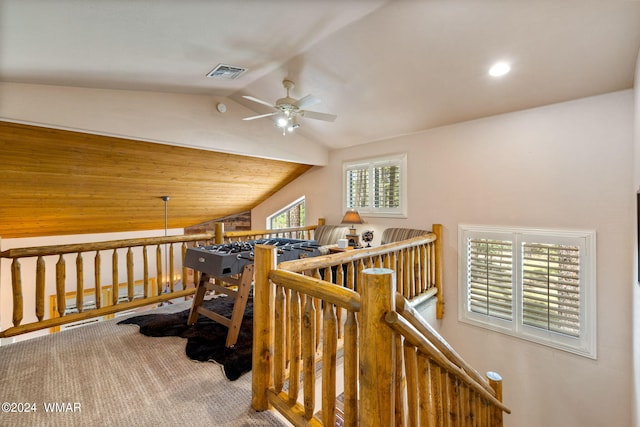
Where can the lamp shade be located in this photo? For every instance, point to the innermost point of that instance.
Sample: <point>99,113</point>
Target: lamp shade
<point>352,217</point>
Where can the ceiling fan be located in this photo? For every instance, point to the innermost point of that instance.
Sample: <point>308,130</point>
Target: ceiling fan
<point>287,109</point>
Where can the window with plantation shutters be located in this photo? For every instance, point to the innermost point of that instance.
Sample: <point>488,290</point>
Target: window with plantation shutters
<point>534,284</point>
<point>376,187</point>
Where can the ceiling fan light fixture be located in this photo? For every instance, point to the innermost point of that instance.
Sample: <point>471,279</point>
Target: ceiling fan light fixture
<point>282,122</point>
<point>293,126</point>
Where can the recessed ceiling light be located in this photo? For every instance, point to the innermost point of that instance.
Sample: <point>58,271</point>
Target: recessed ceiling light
<point>499,69</point>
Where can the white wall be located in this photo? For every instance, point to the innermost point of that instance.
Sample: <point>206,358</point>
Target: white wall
<point>565,165</point>
<point>170,118</point>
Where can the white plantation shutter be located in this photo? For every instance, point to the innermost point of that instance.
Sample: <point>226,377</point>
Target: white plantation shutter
<point>357,187</point>
<point>490,277</point>
<point>386,186</point>
<point>551,287</point>
<point>535,284</point>
<point>376,187</point>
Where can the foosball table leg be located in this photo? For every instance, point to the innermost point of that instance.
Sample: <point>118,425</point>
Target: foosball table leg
<point>197,299</point>
<point>239,305</point>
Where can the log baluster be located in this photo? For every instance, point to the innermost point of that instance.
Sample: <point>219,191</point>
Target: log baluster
<point>114,278</point>
<point>184,268</point>
<point>426,414</point>
<point>145,274</point>
<point>159,279</point>
<point>279,340</point>
<point>60,285</point>
<point>400,381</point>
<point>351,369</point>
<point>96,273</point>
<point>171,269</point>
<point>40,280</point>
<point>317,303</point>
<point>411,374</point>
<point>308,356</point>
<point>130,282</point>
<point>294,371</point>
<point>329,349</point>
<point>400,271</point>
<point>79,283</point>
<point>340,311</point>
<point>16,285</point>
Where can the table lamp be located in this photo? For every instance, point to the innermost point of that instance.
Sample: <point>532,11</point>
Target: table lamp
<point>352,217</point>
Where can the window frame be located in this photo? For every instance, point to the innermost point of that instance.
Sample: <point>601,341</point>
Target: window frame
<point>285,209</point>
<point>371,163</point>
<point>585,343</point>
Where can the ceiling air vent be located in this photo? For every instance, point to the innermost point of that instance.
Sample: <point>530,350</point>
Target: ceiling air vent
<point>227,72</point>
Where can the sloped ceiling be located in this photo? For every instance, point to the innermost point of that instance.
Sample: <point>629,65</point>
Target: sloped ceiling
<point>385,67</point>
<point>58,182</point>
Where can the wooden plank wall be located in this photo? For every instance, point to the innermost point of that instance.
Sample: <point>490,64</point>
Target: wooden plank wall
<point>55,182</point>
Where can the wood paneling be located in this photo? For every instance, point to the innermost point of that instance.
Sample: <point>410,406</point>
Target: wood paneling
<point>56,182</point>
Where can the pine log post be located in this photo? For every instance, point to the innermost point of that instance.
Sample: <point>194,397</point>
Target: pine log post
<point>263,308</point>
<point>437,230</point>
<point>495,381</point>
<point>377,356</point>
<point>219,233</point>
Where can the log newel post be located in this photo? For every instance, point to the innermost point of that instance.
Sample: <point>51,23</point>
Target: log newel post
<point>219,230</point>
<point>495,381</point>
<point>377,367</point>
<point>263,312</point>
<point>437,230</point>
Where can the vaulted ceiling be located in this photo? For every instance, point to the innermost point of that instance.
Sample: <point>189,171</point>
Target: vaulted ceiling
<point>384,67</point>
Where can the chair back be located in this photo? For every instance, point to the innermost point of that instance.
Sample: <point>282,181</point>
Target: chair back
<point>392,235</point>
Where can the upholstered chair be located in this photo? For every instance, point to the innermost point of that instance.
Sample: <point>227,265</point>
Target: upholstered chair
<point>392,235</point>
<point>327,236</point>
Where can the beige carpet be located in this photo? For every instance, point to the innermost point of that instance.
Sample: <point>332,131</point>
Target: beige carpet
<point>116,376</point>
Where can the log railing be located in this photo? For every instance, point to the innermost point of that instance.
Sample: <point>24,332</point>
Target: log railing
<point>32,315</point>
<point>162,247</point>
<point>395,369</point>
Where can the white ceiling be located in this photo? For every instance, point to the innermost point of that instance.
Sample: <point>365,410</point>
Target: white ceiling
<point>384,67</point>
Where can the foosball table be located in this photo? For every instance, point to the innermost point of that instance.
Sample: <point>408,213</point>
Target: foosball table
<point>231,265</point>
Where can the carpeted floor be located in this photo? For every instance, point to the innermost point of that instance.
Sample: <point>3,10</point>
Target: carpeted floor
<point>108,374</point>
<point>205,340</point>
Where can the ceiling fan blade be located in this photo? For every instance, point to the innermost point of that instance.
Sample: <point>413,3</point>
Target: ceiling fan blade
<point>259,101</point>
<point>306,101</point>
<point>260,116</point>
<point>319,116</point>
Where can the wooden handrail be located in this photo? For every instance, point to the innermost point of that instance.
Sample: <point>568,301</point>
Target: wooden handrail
<point>402,326</point>
<point>326,291</point>
<point>409,313</point>
<point>325,261</point>
<point>250,233</point>
<point>101,246</point>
